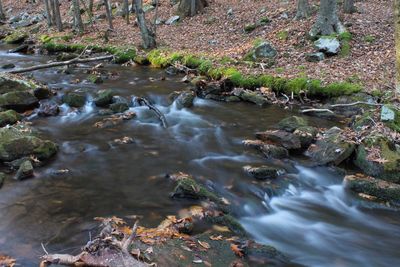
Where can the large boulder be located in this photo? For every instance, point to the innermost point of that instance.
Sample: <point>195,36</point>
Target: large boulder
<point>264,50</point>
<point>16,37</point>
<point>185,99</point>
<point>12,84</point>
<point>328,45</point>
<point>251,96</point>
<point>269,150</point>
<point>331,148</point>
<point>104,98</point>
<point>9,117</point>
<point>280,138</point>
<point>291,123</point>
<point>18,100</point>
<point>19,141</point>
<point>306,134</point>
<point>74,99</point>
<point>379,157</point>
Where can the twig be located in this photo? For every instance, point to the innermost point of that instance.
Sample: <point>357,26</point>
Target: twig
<point>44,249</point>
<point>128,241</point>
<point>143,101</point>
<point>317,110</point>
<point>287,98</point>
<point>354,104</point>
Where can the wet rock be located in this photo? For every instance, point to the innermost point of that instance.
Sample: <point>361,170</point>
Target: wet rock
<point>42,93</point>
<point>63,56</point>
<point>18,100</point>
<point>119,107</point>
<point>328,45</point>
<point>263,172</point>
<point>171,70</point>
<point>379,157</point>
<point>306,135</point>
<point>11,84</point>
<point>95,78</point>
<point>331,148</point>
<point>204,88</point>
<point>269,150</point>
<point>8,66</point>
<point>24,48</point>
<point>74,99</point>
<point>379,189</point>
<point>315,57</point>
<point>48,108</point>
<point>19,141</point>
<point>119,99</point>
<point>114,120</point>
<point>290,124</point>
<point>280,138</point>
<point>104,98</point>
<point>15,164</point>
<point>172,20</point>
<point>16,37</point>
<point>185,99</point>
<point>25,171</point>
<point>349,111</point>
<point>9,117</point>
<point>105,112</point>
<point>251,96</point>
<point>232,98</point>
<point>2,178</point>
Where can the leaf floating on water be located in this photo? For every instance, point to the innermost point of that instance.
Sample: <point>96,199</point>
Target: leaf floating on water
<point>216,238</point>
<point>204,244</point>
<point>186,248</point>
<point>238,251</point>
<point>220,228</point>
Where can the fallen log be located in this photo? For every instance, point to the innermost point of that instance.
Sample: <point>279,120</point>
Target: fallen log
<point>61,63</point>
<point>144,102</point>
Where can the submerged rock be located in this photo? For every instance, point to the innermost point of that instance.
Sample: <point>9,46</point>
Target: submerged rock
<point>269,150</point>
<point>25,171</point>
<point>9,117</point>
<point>263,172</point>
<point>280,138</point>
<point>331,148</point>
<point>119,107</point>
<point>185,99</point>
<point>74,99</point>
<point>291,123</point>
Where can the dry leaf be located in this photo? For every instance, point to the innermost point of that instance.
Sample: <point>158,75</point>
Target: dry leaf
<point>204,244</point>
<point>220,228</point>
<point>238,252</point>
<point>216,238</point>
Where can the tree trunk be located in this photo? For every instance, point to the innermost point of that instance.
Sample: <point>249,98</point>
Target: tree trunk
<point>327,21</point>
<point>349,7</point>
<point>189,8</point>
<point>57,15</point>
<point>126,10</point>
<point>397,41</point>
<point>2,14</point>
<point>303,9</point>
<point>48,12</point>
<point>90,7</point>
<point>77,16</point>
<point>108,13</point>
<point>148,36</point>
<point>53,16</point>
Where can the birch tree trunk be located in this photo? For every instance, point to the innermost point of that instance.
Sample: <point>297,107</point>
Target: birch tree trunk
<point>327,21</point>
<point>397,41</point>
<point>57,15</point>
<point>189,8</point>
<point>77,16</point>
<point>48,11</point>
<point>2,14</point>
<point>108,13</point>
<point>349,7</point>
<point>148,36</point>
<point>303,9</point>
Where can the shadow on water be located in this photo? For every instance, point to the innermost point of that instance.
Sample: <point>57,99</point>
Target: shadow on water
<point>312,219</point>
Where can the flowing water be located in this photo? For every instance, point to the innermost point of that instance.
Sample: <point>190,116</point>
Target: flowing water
<point>312,218</point>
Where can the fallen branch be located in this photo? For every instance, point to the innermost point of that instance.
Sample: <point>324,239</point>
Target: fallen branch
<point>63,63</point>
<point>317,110</point>
<point>354,104</point>
<point>144,102</point>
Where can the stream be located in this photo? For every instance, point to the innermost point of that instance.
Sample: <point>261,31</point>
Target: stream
<point>313,219</point>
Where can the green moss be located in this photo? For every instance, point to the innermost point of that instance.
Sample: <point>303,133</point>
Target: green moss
<point>250,27</point>
<point>45,150</point>
<point>394,125</point>
<point>189,188</point>
<point>264,21</point>
<point>283,35</point>
<point>162,59</point>
<point>335,89</point>
<point>345,36</point>
<point>280,70</point>
<point>205,66</point>
<point>369,38</point>
<point>9,117</point>
<point>124,55</point>
<point>345,49</point>
<point>16,37</point>
<point>192,61</point>
<point>257,42</point>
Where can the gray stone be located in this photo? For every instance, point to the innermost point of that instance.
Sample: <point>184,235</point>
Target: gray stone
<point>328,45</point>
<point>229,12</point>
<point>119,107</point>
<point>315,57</point>
<point>18,100</point>
<point>387,114</point>
<point>8,66</point>
<point>119,99</point>
<point>74,99</point>
<point>263,172</point>
<point>264,50</point>
<point>280,138</point>
<point>291,123</point>
<point>2,178</point>
<point>172,20</point>
<point>48,108</point>
<point>251,96</point>
<point>104,98</point>
<point>25,171</point>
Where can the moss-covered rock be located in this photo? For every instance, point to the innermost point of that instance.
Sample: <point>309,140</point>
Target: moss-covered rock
<point>306,135</point>
<point>11,84</point>
<point>74,99</point>
<point>251,96</point>
<point>9,117</point>
<point>262,172</point>
<point>119,107</point>
<point>291,123</point>
<point>104,98</point>
<point>187,187</point>
<point>25,171</point>
<point>95,78</point>
<point>18,100</point>
<point>387,166</point>
<point>2,178</point>
<point>185,99</point>
<point>16,37</point>
<point>280,138</point>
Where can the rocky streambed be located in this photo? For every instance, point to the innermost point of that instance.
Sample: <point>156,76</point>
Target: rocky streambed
<point>217,175</point>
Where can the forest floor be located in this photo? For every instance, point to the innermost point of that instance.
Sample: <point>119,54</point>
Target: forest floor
<point>217,34</point>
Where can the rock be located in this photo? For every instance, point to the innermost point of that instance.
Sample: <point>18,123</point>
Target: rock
<point>42,93</point>
<point>280,138</point>
<point>290,124</point>
<point>119,99</point>
<point>114,120</point>
<point>9,117</point>
<point>25,171</point>
<point>24,48</point>
<point>11,84</point>
<point>18,100</point>
<point>185,99</point>
<point>232,98</point>
<point>331,148</point>
<point>16,37</point>
<point>74,99</point>
<point>229,12</point>
<point>387,114</point>
<point>264,50</point>
<point>171,70</point>
<point>94,78</point>
<point>63,56</point>
<point>48,108</point>
<point>119,107</point>
<point>306,135</point>
<point>8,66</point>
<point>204,88</point>
<point>18,141</point>
<point>349,111</point>
<point>381,190</point>
<point>172,20</point>
<point>2,178</point>
<point>262,172</point>
<point>148,8</point>
<point>328,45</point>
<point>251,96</point>
<point>104,98</point>
<point>315,57</point>
<point>105,112</point>
<point>384,163</point>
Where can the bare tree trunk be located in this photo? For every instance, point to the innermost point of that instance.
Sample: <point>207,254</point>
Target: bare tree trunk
<point>53,16</point>
<point>90,7</point>
<point>2,14</point>
<point>303,9</point>
<point>148,36</point>
<point>57,15</point>
<point>349,7</point>
<point>48,12</point>
<point>77,16</point>
<point>126,10</point>
<point>108,13</point>
<point>397,41</point>
<point>189,8</point>
<point>327,21</point>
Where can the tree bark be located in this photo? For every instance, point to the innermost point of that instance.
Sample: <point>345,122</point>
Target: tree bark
<point>48,12</point>
<point>57,15</point>
<point>148,36</point>
<point>108,13</point>
<point>77,16</point>
<point>189,8</point>
<point>126,11</point>
<point>53,16</point>
<point>327,20</point>
<point>349,7</point>
<point>2,14</point>
<point>303,9</point>
<point>90,7</point>
<point>397,41</point>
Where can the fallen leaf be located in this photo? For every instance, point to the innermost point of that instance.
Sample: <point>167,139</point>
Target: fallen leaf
<point>221,228</point>
<point>238,252</point>
<point>204,244</point>
<point>216,238</point>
